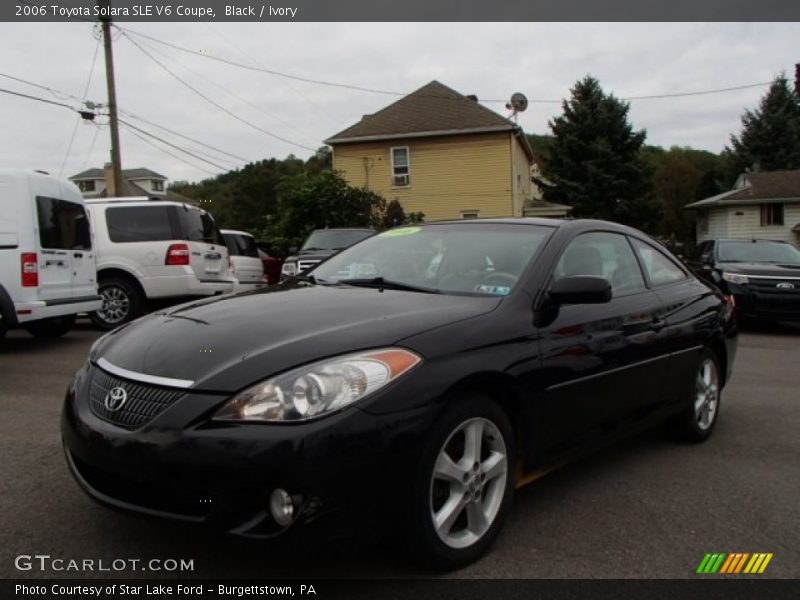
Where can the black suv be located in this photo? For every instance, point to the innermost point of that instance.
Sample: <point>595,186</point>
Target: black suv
<point>321,244</point>
<point>762,275</point>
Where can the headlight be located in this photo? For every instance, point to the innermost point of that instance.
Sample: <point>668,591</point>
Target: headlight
<point>289,268</point>
<point>319,388</point>
<point>735,278</point>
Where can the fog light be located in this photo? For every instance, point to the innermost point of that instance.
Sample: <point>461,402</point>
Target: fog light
<point>281,507</point>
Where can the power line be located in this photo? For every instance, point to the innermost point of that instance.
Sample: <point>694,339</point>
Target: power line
<point>163,141</point>
<point>78,118</point>
<point>45,100</point>
<point>186,137</point>
<point>175,156</point>
<point>56,93</point>
<point>396,93</point>
<point>226,91</point>
<point>214,103</point>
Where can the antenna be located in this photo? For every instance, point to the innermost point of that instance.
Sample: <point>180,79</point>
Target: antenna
<point>517,104</point>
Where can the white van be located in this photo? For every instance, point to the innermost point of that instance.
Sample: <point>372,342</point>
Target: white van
<point>150,250</point>
<point>245,262</point>
<point>47,263</point>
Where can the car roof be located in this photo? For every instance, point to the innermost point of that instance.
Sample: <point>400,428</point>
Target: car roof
<point>236,232</point>
<point>140,201</point>
<point>344,229</point>
<point>750,240</point>
<point>571,224</point>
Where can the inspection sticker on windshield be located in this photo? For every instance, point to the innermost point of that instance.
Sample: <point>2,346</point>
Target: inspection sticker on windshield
<point>496,290</point>
<point>401,231</point>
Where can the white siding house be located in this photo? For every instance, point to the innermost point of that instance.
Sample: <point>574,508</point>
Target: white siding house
<point>760,206</point>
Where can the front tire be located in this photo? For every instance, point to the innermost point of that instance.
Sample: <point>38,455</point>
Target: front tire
<point>122,302</point>
<point>465,484</point>
<point>52,328</point>
<point>697,421</point>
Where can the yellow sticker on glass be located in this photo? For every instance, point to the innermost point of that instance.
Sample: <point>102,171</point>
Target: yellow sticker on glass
<point>401,231</point>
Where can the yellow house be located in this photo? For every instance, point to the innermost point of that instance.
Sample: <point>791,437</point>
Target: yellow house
<point>440,153</point>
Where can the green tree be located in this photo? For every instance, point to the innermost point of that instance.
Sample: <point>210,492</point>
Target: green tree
<point>594,163</point>
<point>309,201</point>
<point>770,136</point>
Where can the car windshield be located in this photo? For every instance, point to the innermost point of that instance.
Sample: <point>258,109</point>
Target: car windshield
<point>473,258</point>
<point>759,252</point>
<point>333,239</point>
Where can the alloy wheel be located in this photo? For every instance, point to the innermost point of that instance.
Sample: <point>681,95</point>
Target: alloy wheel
<point>116,305</point>
<point>468,482</point>
<point>706,394</point>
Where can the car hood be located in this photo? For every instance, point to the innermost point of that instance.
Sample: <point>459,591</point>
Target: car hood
<point>763,269</point>
<point>227,343</point>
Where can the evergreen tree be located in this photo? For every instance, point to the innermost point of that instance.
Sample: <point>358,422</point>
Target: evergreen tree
<point>594,162</point>
<point>770,136</point>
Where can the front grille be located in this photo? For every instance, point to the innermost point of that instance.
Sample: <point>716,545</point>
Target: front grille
<point>304,265</point>
<point>775,287</point>
<point>144,402</point>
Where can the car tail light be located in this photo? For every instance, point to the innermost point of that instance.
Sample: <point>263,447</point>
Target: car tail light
<point>177,254</point>
<point>30,269</point>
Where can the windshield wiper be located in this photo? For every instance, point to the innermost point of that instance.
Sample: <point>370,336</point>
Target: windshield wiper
<point>388,284</point>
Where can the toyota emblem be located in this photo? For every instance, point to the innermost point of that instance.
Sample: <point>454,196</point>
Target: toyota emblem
<point>115,399</point>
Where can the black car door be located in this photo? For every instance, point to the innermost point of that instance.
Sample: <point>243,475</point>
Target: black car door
<point>602,363</point>
<point>690,311</point>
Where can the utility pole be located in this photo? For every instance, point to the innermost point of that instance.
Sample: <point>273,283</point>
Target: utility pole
<point>116,156</point>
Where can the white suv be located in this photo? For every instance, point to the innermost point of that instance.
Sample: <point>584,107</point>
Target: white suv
<point>154,250</point>
<point>47,264</point>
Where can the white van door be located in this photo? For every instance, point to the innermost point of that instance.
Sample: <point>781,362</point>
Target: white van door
<point>65,246</point>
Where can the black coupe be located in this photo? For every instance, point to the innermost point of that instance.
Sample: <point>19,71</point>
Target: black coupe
<point>419,376</point>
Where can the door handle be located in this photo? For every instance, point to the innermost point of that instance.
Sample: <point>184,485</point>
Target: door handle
<point>78,255</point>
<point>58,263</point>
<point>657,324</point>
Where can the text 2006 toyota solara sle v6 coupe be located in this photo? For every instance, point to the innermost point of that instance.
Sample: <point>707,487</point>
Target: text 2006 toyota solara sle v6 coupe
<point>418,376</point>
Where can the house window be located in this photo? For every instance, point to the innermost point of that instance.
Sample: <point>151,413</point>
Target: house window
<point>157,185</point>
<point>771,214</point>
<point>401,173</point>
<point>470,214</point>
<point>86,186</point>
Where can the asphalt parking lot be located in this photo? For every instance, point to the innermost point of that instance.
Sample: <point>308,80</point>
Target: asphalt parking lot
<point>649,507</point>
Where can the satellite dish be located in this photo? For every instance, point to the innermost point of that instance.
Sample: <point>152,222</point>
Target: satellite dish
<point>518,102</point>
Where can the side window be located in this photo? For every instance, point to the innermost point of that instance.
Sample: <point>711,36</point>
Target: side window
<point>138,224</point>
<point>198,226</point>
<point>602,254</point>
<point>63,225</point>
<point>659,267</point>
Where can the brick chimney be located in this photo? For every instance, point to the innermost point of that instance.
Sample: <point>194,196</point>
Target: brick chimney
<point>108,169</point>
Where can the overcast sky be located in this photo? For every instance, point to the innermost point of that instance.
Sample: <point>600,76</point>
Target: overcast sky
<point>492,60</point>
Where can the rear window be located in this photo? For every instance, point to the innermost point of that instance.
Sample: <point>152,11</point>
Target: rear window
<point>198,226</point>
<point>240,245</point>
<point>63,225</point>
<point>138,224</point>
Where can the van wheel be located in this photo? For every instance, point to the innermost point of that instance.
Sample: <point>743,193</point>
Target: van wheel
<point>48,329</point>
<point>465,484</point>
<point>122,302</point>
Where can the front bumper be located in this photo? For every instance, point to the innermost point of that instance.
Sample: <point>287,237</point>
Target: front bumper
<point>183,466</point>
<point>764,300</point>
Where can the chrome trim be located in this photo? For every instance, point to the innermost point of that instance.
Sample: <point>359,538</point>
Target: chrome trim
<point>776,277</point>
<point>143,377</point>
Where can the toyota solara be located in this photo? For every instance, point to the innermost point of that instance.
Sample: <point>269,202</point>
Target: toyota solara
<point>413,380</point>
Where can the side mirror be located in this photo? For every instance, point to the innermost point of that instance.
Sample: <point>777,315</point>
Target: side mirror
<point>580,289</point>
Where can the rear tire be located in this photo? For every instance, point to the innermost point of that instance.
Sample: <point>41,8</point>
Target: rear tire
<point>464,488</point>
<point>697,421</point>
<point>52,328</point>
<point>122,302</point>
